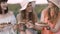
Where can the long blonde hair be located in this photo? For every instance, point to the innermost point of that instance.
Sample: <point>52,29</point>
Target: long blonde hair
<point>56,11</point>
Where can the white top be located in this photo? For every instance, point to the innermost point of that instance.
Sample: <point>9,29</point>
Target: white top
<point>8,19</point>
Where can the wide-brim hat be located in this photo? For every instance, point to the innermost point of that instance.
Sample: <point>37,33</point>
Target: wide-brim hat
<point>56,2</point>
<point>24,4</point>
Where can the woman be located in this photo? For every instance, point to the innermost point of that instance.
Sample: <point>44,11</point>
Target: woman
<point>50,15</point>
<point>27,17</point>
<point>7,19</point>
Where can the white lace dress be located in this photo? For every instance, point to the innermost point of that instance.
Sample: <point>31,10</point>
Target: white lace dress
<point>8,29</point>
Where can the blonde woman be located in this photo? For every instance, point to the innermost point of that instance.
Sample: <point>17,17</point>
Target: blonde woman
<point>27,17</point>
<point>51,16</point>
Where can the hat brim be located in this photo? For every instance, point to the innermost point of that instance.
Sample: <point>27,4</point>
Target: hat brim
<point>24,7</point>
<point>55,4</point>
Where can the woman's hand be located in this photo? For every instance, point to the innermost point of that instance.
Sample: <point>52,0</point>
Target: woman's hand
<point>21,26</point>
<point>29,25</point>
<point>15,27</point>
<point>1,26</point>
<point>41,24</point>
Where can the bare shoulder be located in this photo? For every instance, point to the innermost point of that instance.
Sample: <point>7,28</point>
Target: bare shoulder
<point>45,11</point>
<point>18,15</point>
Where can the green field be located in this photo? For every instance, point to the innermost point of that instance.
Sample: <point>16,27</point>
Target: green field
<point>16,7</point>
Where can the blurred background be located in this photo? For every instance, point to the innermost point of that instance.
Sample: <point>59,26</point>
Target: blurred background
<point>14,5</point>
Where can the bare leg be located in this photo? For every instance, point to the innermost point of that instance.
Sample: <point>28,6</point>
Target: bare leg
<point>28,31</point>
<point>22,32</point>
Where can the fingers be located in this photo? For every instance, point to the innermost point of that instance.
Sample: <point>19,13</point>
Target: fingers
<point>41,24</point>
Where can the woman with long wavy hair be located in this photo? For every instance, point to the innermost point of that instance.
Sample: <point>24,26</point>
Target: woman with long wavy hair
<point>51,17</point>
<point>27,17</point>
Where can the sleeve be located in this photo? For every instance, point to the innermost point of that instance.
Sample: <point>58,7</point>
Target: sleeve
<point>57,26</point>
<point>13,20</point>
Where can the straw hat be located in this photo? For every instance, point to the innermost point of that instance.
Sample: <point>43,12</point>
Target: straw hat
<point>56,2</point>
<point>24,4</point>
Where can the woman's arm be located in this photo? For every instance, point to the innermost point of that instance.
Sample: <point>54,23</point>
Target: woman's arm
<point>56,28</point>
<point>37,27</point>
<point>18,18</point>
<point>42,20</point>
<point>21,24</point>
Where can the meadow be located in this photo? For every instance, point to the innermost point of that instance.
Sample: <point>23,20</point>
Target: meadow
<point>15,8</point>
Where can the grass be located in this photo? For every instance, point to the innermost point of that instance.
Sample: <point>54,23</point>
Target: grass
<point>16,7</point>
